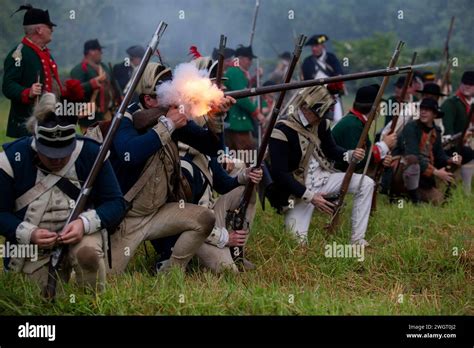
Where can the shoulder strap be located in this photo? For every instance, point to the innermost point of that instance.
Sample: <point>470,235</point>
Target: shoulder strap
<point>47,182</point>
<point>303,168</point>
<point>300,129</point>
<point>67,187</point>
<point>278,134</point>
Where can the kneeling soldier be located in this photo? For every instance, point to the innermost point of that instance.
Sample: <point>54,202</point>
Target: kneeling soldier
<point>423,157</point>
<point>146,160</point>
<point>302,154</point>
<point>40,179</point>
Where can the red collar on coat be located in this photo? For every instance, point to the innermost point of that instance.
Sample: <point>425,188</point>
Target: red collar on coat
<point>359,115</point>
<point>462,97</point>
<point>50,69</point>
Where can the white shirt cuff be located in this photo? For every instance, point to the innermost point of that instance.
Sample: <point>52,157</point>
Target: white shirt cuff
<point>242,177</point>
<point>384,150</point>
<point>24,232</point>
<point>168,123</point>
<point>218,237</point>
<point>91,221</point>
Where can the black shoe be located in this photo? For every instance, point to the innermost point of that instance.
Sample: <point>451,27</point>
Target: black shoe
<point>414,196</point>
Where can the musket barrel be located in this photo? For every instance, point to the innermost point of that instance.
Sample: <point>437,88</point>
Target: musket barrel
<point>322,81</point>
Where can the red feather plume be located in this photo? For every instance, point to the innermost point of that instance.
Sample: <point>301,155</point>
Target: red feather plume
<point>335,87</point>
<point>194,52</point>
<point>74,91</point>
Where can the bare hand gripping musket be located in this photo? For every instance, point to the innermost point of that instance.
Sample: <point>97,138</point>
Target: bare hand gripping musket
<point>80,204</point>
<point>249,92</point>
<point>379,166</point>
<point>235,220</point>
<point>331,228</point>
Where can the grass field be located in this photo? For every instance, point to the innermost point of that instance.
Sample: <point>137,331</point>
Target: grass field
<point>421,261</point>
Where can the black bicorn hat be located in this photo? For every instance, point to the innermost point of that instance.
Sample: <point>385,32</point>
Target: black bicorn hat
<point>431,88</point>
<point>317,39</point>
<point>429,103</point>
<point>34,15</point>
<point>228,53</point>
<point>136,51</point>
<point>92,45</point>
<point>244,51</point>
<point>468,78</point>
<point>366,95</point>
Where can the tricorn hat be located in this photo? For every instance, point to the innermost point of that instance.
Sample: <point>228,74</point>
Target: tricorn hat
<point>228,53</point>
<point>35,15</point>
<point>92,45</point>
<point>244,51</point>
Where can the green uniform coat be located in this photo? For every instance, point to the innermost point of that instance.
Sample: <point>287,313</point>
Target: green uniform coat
<point>240,114</point>
<point>17,79</point>
<point>455,115</point>
<point>86,74</point>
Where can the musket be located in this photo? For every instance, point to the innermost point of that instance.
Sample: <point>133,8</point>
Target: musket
<point>257,62</point>
<point>220,72</point>
<point>361,143</point>
<point>220,61</point>
<point>80,204</point>
<point>445,78</point>
<point>243,93</point>
<point>454,139</point>
<point>379,167</point>
<point>235,220</point>
<point>254,21</point>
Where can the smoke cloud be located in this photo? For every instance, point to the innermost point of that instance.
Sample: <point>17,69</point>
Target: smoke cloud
<point>190,88</point>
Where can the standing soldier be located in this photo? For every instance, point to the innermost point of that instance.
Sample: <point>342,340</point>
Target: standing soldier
<point>40,179</point>
<point>239,133</point>
<point>123,71</point>
<point>302,152</point>
<point>322,64</point>
<point>29,69</point>
<point>95,79</point>
<point>456,112</point>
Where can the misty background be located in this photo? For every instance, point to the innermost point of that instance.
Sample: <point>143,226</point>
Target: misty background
<point>365,31</point>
